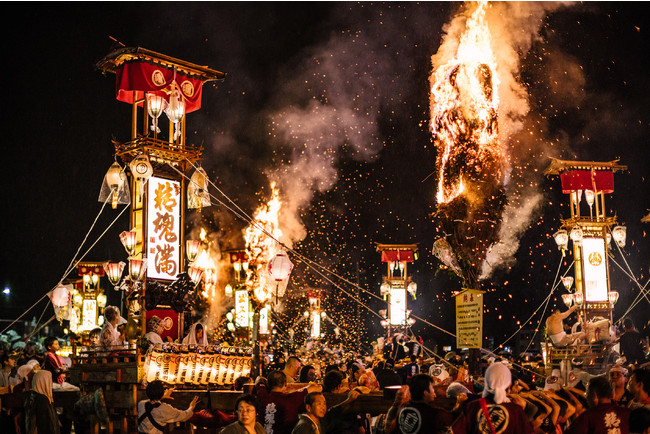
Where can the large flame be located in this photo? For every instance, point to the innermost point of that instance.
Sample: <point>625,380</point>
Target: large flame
<point>464,110</point>
<point>208,261</point>
<point>464,107</point>
<point>261,248</point>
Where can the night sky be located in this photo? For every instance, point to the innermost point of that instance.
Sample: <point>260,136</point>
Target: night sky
<point>335,97</point>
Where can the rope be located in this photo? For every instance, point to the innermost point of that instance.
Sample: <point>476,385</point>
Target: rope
<point>70,268</point>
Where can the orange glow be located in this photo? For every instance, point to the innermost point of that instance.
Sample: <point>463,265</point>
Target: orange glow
<point>260,248</point>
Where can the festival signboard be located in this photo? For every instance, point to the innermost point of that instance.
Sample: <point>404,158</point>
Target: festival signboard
<point>241,308</point>
<point>595,269</point>
<point>469,319</point>
<point>163,228</point>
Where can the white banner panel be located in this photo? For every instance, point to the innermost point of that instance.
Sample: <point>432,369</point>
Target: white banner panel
<point>241,308</point>
<point>397,306</point>
<point>315,324</point>
<point>89,314</point>
<point>163,228</point>
<point>593,262</point>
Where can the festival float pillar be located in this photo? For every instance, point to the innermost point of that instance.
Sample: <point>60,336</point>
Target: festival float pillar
<point>397,284</point>
<point>153,84</point>
<point>591,232</point>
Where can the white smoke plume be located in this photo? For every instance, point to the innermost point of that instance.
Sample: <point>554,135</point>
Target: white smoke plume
<point>333,98</point>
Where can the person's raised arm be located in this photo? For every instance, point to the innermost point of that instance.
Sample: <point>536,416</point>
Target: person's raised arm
<point>568,312</point>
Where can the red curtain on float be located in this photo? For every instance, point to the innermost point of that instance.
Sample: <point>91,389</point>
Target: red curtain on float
<point>137,77</point>
<point>397,255</point>
<point>599,180</point>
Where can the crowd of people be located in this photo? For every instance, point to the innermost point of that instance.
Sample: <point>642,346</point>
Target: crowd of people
<point>318,392</point>
<point>499,402</point>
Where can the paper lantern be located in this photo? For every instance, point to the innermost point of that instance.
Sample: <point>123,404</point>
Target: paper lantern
<point>561,239</point>
<point>198,195</point>
<point>129,239</point>
<point>280,267</point>
<point>175,111</point>
<point>619,235</point>
<point>136,269</point>
<point>60,296</point>
<point>578,298</point>
<point>576,234</point>
<point>567,281</point>
<point>613,297</point>
<point>114,271</point>
<point>195,274</point>
<point>155,106</point>
<point>567,299</point>
<point>192,248</point>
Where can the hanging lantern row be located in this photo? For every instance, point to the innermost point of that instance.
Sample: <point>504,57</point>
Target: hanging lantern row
<point>576,235</point>
<point>577,298</point>
<point>116,188</point>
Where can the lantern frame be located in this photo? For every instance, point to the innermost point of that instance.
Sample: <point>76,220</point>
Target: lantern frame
<point>192,249</point>
<point>114,271</point>
<point>195,274</point>
<point>129,240</point>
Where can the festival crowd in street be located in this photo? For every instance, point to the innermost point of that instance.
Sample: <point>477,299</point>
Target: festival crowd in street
<point>294,392</point>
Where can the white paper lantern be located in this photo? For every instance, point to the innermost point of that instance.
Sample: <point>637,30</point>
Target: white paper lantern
<point>280,267</point>
<point>61,296</point>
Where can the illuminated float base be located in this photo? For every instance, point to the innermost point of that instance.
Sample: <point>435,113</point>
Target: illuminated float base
<point>197,365</point>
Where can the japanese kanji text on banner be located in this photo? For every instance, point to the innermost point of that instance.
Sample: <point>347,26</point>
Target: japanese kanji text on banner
<point>469,319</point>
<point>163,228</point>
